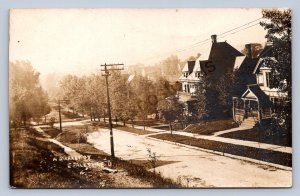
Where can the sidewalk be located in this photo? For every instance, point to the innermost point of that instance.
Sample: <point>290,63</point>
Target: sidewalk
<point>265,146</point>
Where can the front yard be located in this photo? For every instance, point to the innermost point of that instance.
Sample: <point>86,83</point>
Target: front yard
<point>262,135</point>
<point>210,127</point>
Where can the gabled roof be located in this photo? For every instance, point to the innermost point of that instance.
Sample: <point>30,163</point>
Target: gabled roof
<point>254,92</point>
<point>261,63</point>
<point>218,49</point>
<point>245,63</point>
<point>188,67</point>
<point>238,62</point>
<point>267,51</point>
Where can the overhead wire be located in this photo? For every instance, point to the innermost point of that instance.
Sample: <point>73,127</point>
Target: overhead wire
<point>205,41</point>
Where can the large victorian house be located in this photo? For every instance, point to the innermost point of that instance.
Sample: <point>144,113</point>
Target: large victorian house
<point>219,60</point>
<point>254,95</point>
<point>257,97</point>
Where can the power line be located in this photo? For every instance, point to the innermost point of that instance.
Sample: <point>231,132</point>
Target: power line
<point>203,42</point>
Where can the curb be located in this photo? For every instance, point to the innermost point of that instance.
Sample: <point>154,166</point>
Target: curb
<point>227,155</point>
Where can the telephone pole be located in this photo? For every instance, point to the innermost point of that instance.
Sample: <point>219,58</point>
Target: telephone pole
<point>105,70</point>
<point>59,111</point>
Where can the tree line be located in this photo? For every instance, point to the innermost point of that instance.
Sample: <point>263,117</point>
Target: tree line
<point>27,100</point>
<point>132,96</point>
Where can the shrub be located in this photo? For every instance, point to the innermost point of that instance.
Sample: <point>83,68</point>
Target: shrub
<point>52,121</point>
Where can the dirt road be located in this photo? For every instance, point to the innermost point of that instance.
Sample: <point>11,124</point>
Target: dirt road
<point>193,167</point>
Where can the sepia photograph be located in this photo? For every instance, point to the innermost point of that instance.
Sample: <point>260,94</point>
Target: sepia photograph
<point>150,98</point>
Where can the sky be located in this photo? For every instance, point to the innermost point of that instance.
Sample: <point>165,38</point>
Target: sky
<point>78,41</point>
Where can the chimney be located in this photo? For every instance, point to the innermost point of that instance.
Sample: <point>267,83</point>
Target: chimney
<point>248,50</point>
<point>214,38</point>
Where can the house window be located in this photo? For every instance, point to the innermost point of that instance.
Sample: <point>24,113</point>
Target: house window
<point>198,74</point>
<point>268,79</point>
<point>186,74</point>
<point>260,79</point>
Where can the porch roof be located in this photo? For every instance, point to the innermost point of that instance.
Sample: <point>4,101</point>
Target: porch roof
<point>254,92</point>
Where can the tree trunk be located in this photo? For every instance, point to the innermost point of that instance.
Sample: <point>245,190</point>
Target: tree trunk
<point>124,123</point>
<point>170,127</point>
<point>91,113</point>
<point>98,116</point>
<point>104,116</point>
<point>132,123</point>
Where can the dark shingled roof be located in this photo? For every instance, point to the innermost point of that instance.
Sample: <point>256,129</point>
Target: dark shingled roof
<point>266,52</point>
<point>245,75</point>
<point>222,55</point>
<point>224,48</point>
<point>191,65</point>
<point>248,66</point>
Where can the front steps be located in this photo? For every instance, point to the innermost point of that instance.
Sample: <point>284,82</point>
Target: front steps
<point>249,123</point>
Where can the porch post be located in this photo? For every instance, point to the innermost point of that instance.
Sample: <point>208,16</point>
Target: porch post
<point>245,110</point>
<point>259,114</point>
<point>233,108</point>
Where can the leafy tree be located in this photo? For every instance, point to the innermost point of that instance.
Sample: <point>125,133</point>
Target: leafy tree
<point>256,49</point>
<point>96,96</point>
<point>119,96</point>
<point>171,109</point>
<point>199,106</point>
<point>164,89</point>
<point>146,99</point>
<point>279,32</point>
<point>26,97</point>
<point>170,65</point>
<point>225,88</point>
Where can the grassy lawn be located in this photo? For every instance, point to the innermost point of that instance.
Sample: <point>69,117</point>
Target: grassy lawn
<point>281,158</point>
<point>147,165</point>
<point>32,165</point>
<point>53,132</point>
<point>210,127</point>
<point>135,130</point>
<point>71,115</point>
<point>147,123</point>
<point>259,135</point>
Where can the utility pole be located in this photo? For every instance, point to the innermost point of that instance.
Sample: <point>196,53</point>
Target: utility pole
<point>59,112</point>
<point>59,115</point>
<point>107,74</point>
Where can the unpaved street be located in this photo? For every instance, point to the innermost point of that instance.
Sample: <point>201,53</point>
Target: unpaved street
<point>192,167</point>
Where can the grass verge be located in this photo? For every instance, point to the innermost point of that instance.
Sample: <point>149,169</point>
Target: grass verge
<point>135,130</point>
<point>53,132</point>
<point>32,165</point>
<point>258,134</point>
<point>276,157</point>
<point>210,127</point>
